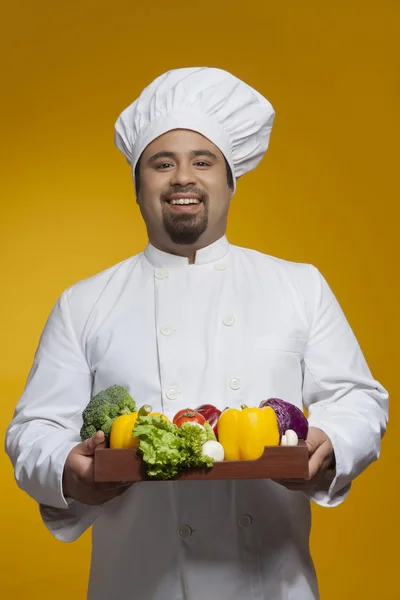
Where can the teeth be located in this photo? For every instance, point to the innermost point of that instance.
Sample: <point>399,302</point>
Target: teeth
<point>185,201</point>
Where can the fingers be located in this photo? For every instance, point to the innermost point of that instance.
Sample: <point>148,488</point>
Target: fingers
<point>320,460</point>
<point>315,438</point>
<point>301,484</point>
<point>320,452</point>
<point>296,486</point>
<point>110,487</point>
<point>95,496</point>
<point>316,461</point>
<point>89,446</point>
<point>78,476</point>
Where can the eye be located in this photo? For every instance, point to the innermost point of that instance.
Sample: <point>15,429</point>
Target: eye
<point>163,166</point>
<point>202,163</point>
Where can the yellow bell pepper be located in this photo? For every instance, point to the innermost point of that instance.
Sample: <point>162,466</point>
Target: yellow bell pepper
<point>121,435</point>
<point>245,433</point>
<point>159,415</point>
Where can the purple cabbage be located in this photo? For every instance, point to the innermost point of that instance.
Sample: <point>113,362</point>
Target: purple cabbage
<point>288,416</point>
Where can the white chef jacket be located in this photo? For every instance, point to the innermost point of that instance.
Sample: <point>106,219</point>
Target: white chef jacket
<point>235,327</point>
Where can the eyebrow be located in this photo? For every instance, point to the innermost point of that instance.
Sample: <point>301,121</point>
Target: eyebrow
<point>194,153</point>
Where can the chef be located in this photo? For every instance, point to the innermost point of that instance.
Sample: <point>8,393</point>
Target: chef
<point>195,319</point>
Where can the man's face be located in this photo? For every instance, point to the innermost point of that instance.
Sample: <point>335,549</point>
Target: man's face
<point>184,195</point>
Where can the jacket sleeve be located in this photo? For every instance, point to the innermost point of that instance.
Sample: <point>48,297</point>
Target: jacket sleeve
<point>342,397</point>
<point>46,424</point>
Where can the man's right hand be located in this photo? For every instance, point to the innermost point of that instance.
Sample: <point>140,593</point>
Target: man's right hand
<point>78,477</point>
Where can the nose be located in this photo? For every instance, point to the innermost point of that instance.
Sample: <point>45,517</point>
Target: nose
<point>183,175</point>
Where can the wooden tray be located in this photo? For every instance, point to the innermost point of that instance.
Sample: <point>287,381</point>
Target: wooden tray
<point>277,462</point>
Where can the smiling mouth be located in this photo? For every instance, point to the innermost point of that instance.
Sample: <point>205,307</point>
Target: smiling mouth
<point>183,201</point>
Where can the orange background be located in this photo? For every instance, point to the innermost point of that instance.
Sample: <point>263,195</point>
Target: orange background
<point>326,193</point>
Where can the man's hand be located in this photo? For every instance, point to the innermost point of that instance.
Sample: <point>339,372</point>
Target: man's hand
<point>78,477</point>
<point>321,458</point>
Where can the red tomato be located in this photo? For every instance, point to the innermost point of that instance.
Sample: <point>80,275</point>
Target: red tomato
<point>188,415</point>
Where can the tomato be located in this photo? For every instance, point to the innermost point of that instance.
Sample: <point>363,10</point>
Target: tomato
<point>188,415</point>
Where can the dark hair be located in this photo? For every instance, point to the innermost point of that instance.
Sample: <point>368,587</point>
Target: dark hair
<point>137,176</point>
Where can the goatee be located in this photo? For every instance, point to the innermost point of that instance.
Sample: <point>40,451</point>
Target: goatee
<point>185,229</point>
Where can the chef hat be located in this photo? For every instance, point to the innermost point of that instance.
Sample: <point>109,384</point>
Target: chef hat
<point>224,109</point>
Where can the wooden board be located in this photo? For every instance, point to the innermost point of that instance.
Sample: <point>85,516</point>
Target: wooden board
<point>277,462</point>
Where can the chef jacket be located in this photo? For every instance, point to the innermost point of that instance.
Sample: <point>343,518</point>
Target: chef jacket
<point>235,327</point>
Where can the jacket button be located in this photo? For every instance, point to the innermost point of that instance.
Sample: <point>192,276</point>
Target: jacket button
<point>185,531</point>
<point>229,320</point>
<point>172,394</point>
<point>235,383</point>
<point>220,266</point>
<point>161,273</point>
<point>245,521</point>
<point>166,330</point>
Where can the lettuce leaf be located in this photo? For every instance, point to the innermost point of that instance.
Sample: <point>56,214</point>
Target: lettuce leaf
<point>167,449</point>
<point>210,433</point>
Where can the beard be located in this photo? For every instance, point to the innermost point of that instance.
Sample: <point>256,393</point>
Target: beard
<point>185,229</point>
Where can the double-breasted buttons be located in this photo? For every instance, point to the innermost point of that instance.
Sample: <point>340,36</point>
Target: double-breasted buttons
<point>185,531</point>
<point>172,394</point>
<point>161,273</point>
<point>229,320</point>
<point>235,383</point>
<point>245,521</point>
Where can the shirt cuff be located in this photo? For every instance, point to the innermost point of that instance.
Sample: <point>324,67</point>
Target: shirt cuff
<point>67,525</point>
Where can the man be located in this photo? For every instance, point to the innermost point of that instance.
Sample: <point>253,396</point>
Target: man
<point>189,320</point>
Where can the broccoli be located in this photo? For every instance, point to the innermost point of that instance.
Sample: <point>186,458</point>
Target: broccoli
<point>103,409</point>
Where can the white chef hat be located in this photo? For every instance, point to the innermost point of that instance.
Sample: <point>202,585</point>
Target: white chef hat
<point>231,114</point>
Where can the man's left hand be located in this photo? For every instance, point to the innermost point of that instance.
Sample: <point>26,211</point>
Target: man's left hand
<point>321,458</point>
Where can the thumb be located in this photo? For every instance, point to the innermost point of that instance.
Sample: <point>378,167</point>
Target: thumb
<point>317,461</point>
<point>314,440</point>
<point>312,446</point>
<point>314,443</point>
<point>96,441</point>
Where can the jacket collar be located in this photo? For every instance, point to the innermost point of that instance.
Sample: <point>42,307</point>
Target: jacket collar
<point>212,253</point>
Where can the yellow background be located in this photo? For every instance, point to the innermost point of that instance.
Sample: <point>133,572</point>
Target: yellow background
<point>326,193</point>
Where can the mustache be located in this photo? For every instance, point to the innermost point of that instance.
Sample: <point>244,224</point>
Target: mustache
<point>185,190</point>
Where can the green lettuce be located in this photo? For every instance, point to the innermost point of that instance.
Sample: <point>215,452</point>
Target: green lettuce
<point>209,432</point>
<point>167,449</point>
